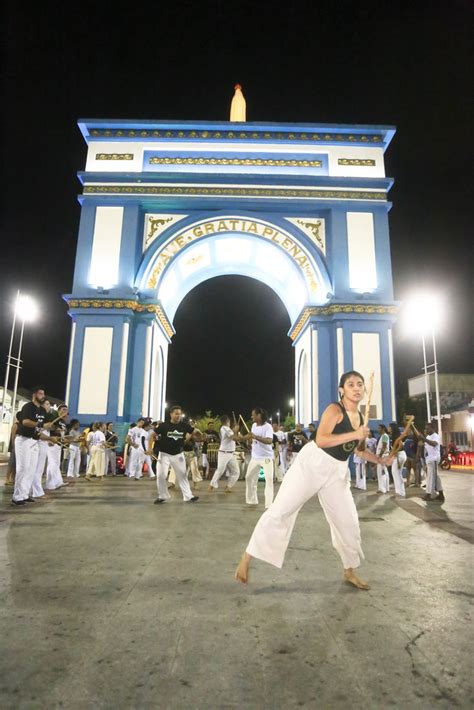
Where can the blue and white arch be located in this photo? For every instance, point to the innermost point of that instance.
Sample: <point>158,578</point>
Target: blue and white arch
<point>166,206</point>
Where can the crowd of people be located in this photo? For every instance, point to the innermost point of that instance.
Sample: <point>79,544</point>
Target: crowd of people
<point>305,462</point>
<point>46,445</point>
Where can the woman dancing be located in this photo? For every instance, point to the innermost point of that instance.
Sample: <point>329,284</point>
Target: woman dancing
<point>321,467</point>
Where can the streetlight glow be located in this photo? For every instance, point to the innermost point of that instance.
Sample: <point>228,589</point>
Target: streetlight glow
<point>292,402</point>
<point>423,312</point>
<point>26,309</point>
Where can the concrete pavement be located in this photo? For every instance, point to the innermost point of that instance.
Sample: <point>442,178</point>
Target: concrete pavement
<point>108,601</point>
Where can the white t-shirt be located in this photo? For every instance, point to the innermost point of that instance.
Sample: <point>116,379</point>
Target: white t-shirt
<point>384,439</point>
<point>75,433</point>
<point>97,438</point>
<point>433,453</point>
<point>281,436</point>
<point>135,435</point>
<point>259,450</point>
<point>227,442</point>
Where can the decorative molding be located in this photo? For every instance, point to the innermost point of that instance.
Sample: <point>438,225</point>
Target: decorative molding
<point>118,304</point>
<point>237,135</point>
<point>314,228</point>
<point>185,190</point>
<point>156,224</point>
<point>361,162</point>
<point>335,308</point>
<point>114,156</point>
<point>250,162</point>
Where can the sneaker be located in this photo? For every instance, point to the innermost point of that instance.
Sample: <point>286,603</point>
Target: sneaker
<point>18,502</point>
<point>158,501</point>
<point>193,499</point>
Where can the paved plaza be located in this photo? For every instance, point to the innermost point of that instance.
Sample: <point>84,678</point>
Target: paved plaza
<point>109,601</point>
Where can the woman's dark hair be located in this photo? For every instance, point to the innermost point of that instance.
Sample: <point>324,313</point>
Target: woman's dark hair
<point>73,422</point>
<point>382,426</point>
<point>395,429</point>
<point>345,376</point>
<point>262,412</point>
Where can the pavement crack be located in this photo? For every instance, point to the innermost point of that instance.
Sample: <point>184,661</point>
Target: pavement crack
<point>443,693</point>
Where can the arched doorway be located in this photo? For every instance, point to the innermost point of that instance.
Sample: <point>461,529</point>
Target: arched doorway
<point>231,349</point>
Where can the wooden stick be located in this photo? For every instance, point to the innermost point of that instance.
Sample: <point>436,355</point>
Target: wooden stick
<point>244,423</point>
<point>369,399</point>
<point>397,444</point>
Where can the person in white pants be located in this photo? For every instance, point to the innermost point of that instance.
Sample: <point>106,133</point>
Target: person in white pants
<point>31,423</point>
<point>171,436</point>
<point>211,437</point>
<point>320,468</point>
<point>361,471</point>
<point>434,484</point>
<point>382,450</point>
<point>37,490</point>
<point>398,462</point>
<point>226,460</point>
<point>96,465</point>
<point>261,436</point>
<point>278,440</point>
<point>136,451</point>
<point>74,463</point>
<point>283,439</point>
<point>54,478</point>
<point>111,441</point>
<point>145,444</point>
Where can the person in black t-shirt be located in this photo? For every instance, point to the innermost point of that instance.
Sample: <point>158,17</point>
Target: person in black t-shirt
<point>31,420</point>
<point>296,440</point>
<point>171,436</point>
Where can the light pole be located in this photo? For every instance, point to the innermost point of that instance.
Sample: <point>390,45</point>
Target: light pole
<point>9,359</point>
<point>427,305</point>
<point>26,310</point>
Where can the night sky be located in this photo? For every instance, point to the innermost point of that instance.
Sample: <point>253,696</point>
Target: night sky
<point>378,63</point>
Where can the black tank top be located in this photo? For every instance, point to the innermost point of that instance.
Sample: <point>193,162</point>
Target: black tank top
<point>343,451</point>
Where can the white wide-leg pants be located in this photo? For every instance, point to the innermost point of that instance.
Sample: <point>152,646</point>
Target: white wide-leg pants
<point>313,472</point>
<point>26,455</point>
<point>54,478</point>
<point>277,468</point>
<point>226,461</point>
<point>74,462</point>
<point>178,464</point>
<point>383,479</point>
<point>147,460</point>
<point>37,483</point>
<point>397,467</point>
<point>192,467</point>
<point>97,462</point>
<point>361,477</point>
<point>205,465</point>
<point>137,459</point>
<point>251,481</point>
<point>433,480</point>
<point>110,460</point>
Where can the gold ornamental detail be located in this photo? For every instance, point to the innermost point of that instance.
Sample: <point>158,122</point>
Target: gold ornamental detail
<point>314,228</point>
<point>117,304</point>
<point>360,162</point>
<point>334,309</point>
<point>114,156</point>
<point>185,191</point>
<point>238,135</point>
<point>246,162</point>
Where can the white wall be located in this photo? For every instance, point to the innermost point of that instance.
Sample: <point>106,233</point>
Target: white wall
<point>366,359</point>
<point>123,369</point>
<point>95,370</point>
<point>361,251</point>
<point>315,373</point>
<point>105,257</point>
<point>303,374</point>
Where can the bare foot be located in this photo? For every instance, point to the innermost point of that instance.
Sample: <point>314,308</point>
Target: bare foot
<point>228,490</point>
<point>242,571</point>
<point>351,577</point>
<point>211,488</point>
